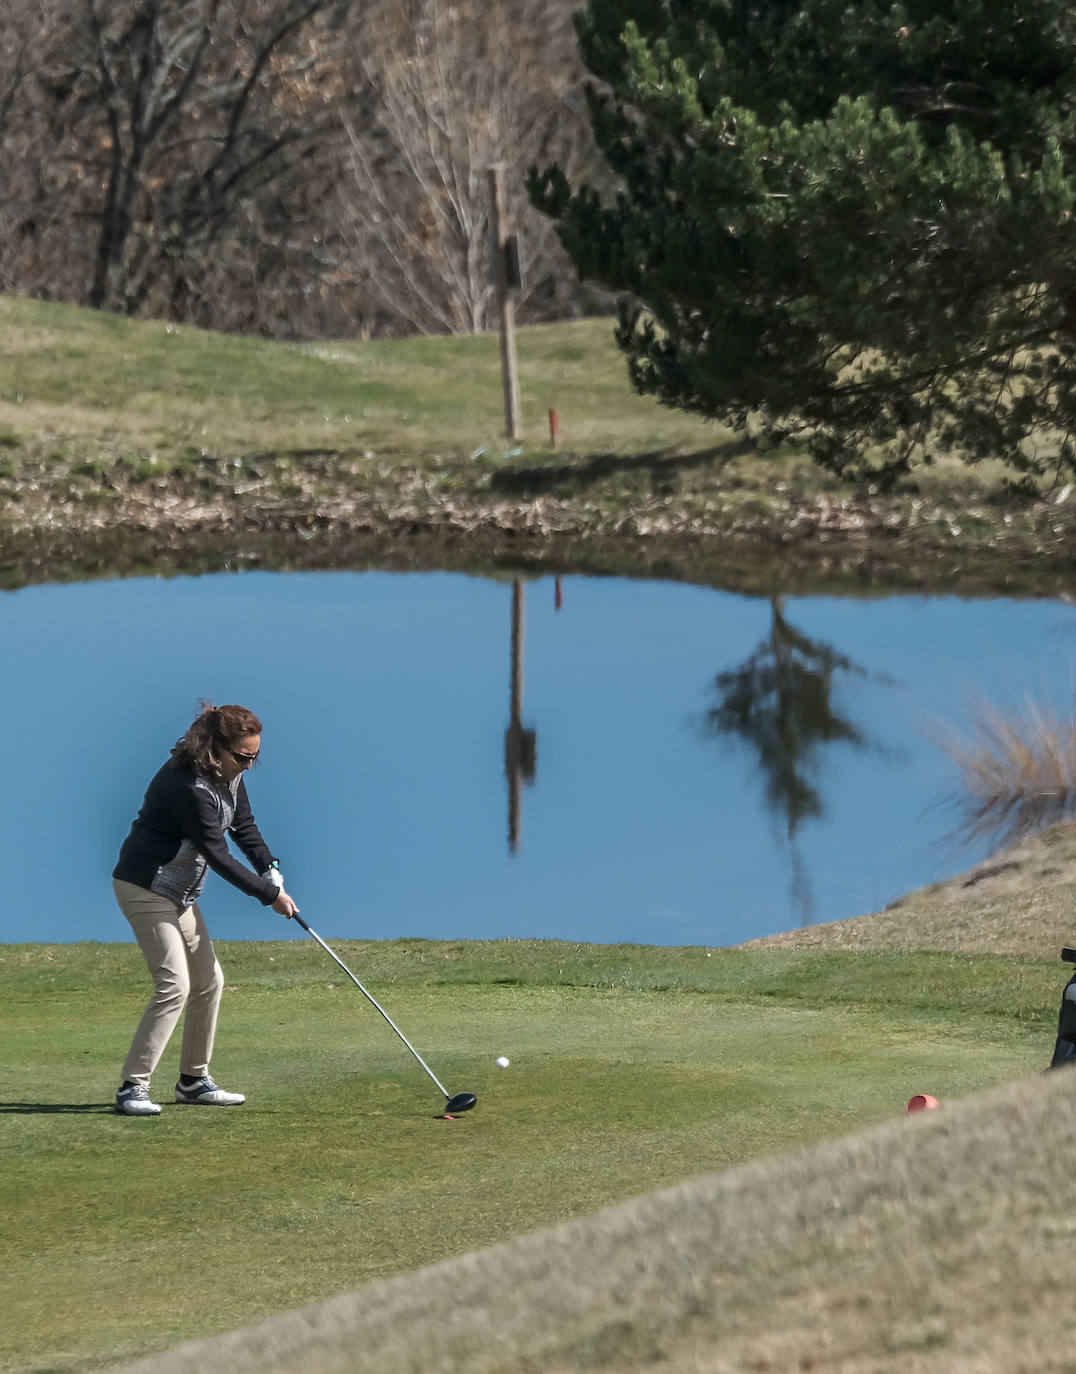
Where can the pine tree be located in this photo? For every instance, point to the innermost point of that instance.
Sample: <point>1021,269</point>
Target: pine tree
<point>849,223</point>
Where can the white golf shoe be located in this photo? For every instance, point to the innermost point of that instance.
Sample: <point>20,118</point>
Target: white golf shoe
<point>133,1100</point>
<point>204,1092</point>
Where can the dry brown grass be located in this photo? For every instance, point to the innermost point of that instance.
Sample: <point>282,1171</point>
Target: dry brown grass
<point>1016,770</point>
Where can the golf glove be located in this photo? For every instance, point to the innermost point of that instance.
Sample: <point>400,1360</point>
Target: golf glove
<point>275,877</point>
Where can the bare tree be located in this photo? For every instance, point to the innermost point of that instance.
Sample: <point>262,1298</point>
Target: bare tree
<point>445,94</point>
<point>32,40</point>
<point>202,113</point>
<point>180,131</point>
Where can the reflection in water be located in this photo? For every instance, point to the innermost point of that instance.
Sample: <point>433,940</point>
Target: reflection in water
<point>779,701</point>
<point>520,743</point>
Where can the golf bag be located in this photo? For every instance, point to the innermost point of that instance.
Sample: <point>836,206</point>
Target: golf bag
<point>1065,1048</point>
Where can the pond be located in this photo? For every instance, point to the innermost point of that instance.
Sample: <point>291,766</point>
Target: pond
<point>445,756</point>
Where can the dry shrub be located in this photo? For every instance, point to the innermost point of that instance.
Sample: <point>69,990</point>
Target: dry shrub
<point>1016,770</point>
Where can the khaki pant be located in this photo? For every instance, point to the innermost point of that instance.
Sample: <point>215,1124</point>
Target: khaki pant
<point>178,950</point>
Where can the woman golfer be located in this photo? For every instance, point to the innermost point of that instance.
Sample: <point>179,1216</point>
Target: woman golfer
<point>193,802</point>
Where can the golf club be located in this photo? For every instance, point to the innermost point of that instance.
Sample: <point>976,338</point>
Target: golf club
<point>461,1102</point>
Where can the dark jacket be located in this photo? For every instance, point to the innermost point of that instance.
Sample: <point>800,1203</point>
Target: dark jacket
<point>180,830</point>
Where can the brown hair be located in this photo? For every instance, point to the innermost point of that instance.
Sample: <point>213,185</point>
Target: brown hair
<point>212,727</point>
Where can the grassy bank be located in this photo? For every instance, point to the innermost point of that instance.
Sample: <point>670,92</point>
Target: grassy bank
<point>130,446</point>
<point>1017,902</point>
<point>631,1068</point>
<point>929,1244</point>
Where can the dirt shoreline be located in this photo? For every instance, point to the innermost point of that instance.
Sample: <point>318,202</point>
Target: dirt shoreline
<point>867,551</point>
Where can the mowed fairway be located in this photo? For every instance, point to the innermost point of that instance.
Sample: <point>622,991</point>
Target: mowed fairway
<point>631,1068</point>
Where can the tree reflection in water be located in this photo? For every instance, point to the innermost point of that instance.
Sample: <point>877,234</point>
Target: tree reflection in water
<point>780,702</point>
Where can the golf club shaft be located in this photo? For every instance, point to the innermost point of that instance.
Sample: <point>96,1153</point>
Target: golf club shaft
<point>373,1001</point>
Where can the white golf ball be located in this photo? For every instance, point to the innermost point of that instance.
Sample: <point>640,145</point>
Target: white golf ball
<point>502,1061</point>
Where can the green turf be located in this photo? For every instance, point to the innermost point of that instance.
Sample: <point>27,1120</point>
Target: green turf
<point>235,394</point>
<point>632,1067</point>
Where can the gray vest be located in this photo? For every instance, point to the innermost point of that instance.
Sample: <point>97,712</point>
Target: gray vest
<point>181,879</point>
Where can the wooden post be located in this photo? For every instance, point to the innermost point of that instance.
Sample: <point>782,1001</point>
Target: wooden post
<point>513,425</point>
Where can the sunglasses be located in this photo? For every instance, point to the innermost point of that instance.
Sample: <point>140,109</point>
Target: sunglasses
<point>240,757</point>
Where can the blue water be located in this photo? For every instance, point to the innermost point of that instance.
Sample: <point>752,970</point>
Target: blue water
<point>382,786</point>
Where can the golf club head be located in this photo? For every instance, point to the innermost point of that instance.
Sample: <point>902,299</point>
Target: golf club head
<point>462,1102</point>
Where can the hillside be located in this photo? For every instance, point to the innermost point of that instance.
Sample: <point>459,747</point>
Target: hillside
<point>933,1242</point>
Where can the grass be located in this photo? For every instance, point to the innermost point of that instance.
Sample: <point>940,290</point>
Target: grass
<point>1016,769</point>
<point>180,391</point>
<point>631,1068</point>
<point>131,444</point>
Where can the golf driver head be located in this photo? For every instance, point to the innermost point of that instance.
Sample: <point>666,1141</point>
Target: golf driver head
<point>462,1102</point>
